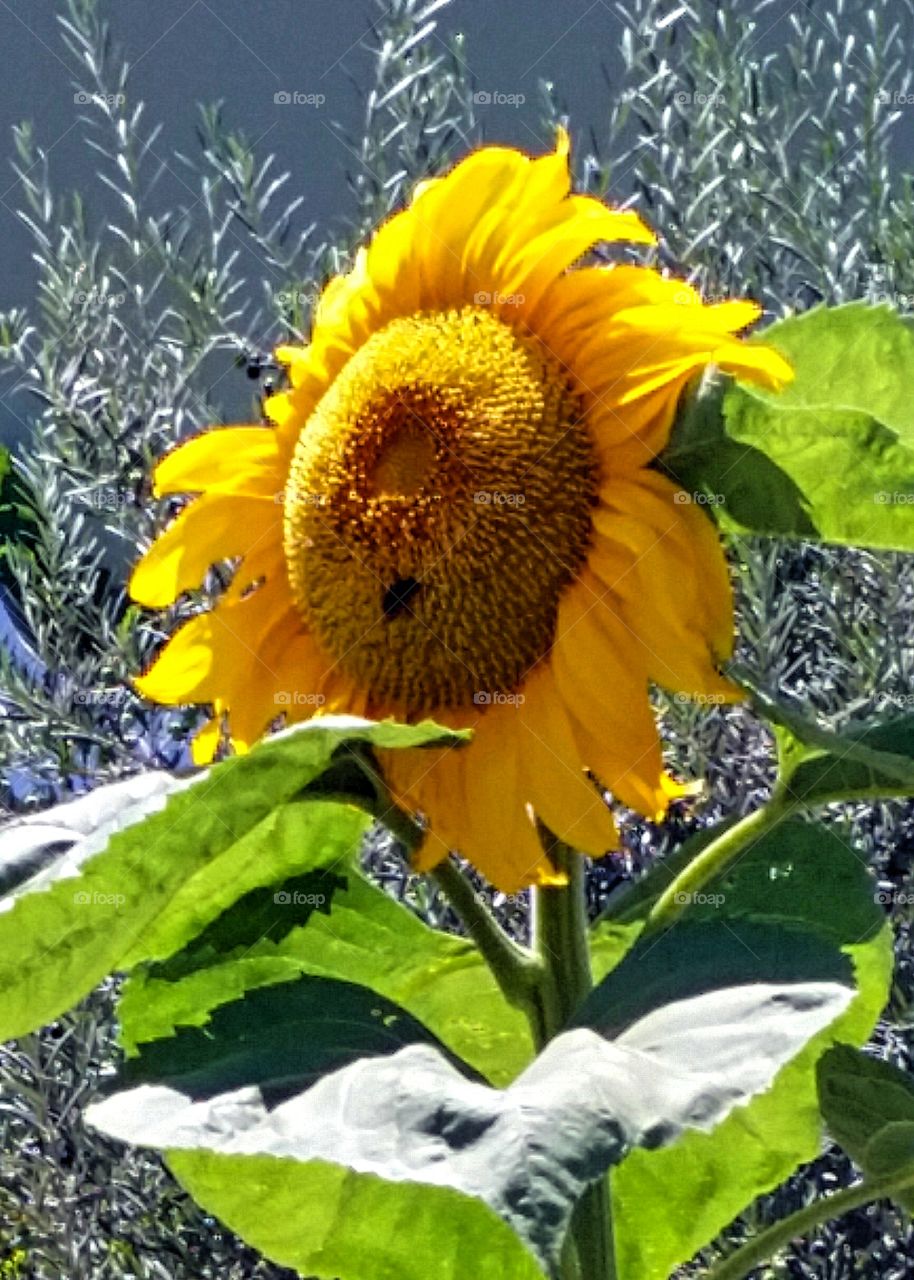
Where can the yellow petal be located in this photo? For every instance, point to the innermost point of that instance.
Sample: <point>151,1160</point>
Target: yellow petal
<point>212,528</point>
<point>447,217</point>
<point>561,794</point>
<point>216,653</point>
<point>266,561</point>
<point>648,349</point>
<point>604,686</point>
<point>660,553</point>
<point>531,262</point>
<point>241,460</point>
<point>206,741</point>
<point>474,798</point>
<point>290,410</point>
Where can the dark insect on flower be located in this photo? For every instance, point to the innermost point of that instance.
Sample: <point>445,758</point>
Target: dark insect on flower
<point>397,597</point>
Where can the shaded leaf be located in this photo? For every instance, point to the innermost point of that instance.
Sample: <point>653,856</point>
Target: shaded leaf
<point>527,1152</point>
<point>863,760</point>
<point>282,1038</point>
<point>868,1108</point>
<point>698,956</point>
<point>359,935</point>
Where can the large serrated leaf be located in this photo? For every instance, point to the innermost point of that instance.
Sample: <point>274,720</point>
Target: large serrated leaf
<point>143,876</point>
<point>775,881</point>
<point>282,1038</point>
<point>359,1227</point>
<point>697,956</point>
<point>358,934</point>
<point>528,1152</point>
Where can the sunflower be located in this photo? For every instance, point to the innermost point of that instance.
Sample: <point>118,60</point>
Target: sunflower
<point>453,514</point>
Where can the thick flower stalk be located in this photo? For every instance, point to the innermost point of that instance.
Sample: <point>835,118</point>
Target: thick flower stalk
<point>453,513</point>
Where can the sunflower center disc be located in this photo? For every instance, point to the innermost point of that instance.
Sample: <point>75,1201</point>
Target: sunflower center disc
<point>438,501</point>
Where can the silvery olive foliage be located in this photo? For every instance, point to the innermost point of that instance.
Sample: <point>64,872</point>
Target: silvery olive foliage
<point>765,152</point>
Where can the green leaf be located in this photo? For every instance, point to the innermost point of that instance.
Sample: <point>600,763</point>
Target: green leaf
<point>282,1038</point>
<point>830,457</point>
<point>143,876</point>
<point>770,883</point>
<point>891,1151</point>
<point>359,934</point>
<point>297,837</point>
<point>670,1203</point>
<point>780,878</point>
<point>529,1152</point>
<point>700,956</point>
<point>356,1226</point>
<point>865,760</point>
<point>868,1108</point>
<point>615,932</point>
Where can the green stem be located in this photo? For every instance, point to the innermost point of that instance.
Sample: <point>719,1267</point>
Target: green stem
<point>715,859</point>
<point>560,939</point>
<point>516,970</point>
<point>560,935</point>
<point>812,734</point>
<point>770,1242</point>
<point>592,1228</point>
